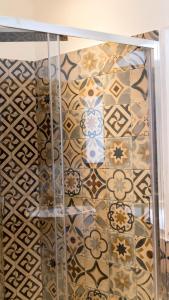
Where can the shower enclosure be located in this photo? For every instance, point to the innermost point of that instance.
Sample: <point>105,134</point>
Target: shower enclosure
<point>78,170</point>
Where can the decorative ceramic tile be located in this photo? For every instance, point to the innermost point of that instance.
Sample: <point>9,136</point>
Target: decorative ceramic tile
<point>121,249</point>
<point>21,232</point>
<point>71,124</point>
<point>140,118</point>
<point>120,184</point>
<point>91,92</point>
<point>122,280</point>
<point>93,153</point>
<point>94,183</point>
<point>97,273</point>
<point>141,153</point>
<point>139,84</point>
<point>121,217</point>
<point>96,294</point>
<point>76,269</point>
<point>96,215</point>
<point>142,185</point>
<point>116,88</point>
<point>70,95</point>
<point>72,182</point>
<point>117,121</point>
<point>143,220</point>
<point>91,123</point>
<point>145,285</point>
<point>72,153</point>
<point>96,244</point>
<point>69,66</point>
<point>144,253</point>
<point>118,153</point>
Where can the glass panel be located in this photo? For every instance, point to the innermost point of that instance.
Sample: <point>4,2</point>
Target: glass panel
<point>109,170</point>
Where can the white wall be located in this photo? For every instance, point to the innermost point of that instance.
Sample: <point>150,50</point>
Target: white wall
<point>116,16</point>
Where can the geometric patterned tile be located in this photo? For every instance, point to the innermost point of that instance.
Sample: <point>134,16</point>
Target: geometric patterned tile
<point>93,153</point>
<point>121,249</point>
<point>116,88</point>
<point>144,253</point>
<point>91,92</point>
<point>94,183</point>
<point>139,118</point>
<point>145,285</point>
<point>142,185</point>
<point>91,123</point>
<point>139,85</point>
<point>97,274</point>
<point>118,153</point>
<point>117,121</point>
<point>120,184</point>
<point>141,152</point>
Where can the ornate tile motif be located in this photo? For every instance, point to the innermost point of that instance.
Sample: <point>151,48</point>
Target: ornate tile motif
<point>143,219</point>
<point>94,183</point>
<point>92,123</point>
<point>97,274</point>
<point>118,153</point>
<point>76,269</point>
<point>21,232</point>
<point>70,95</point>
<point>71,124</point>
<point>96,295</point>
<point>91,92</point>
<point>69,66</point>
<point>120,184</point>
<point>141,152</point>
<point>145,285</point>
<point>117,121</point>
<point>122,281</point>
<point>139,84</point>
<point>121,217</point>
<point>140,118</point>
<point>116,88</point>
<point>121,249</point>
<point>142,185</point>
<point>72,153</point>
<point>72,182</point>
<point>144,253</point>
<point>93,153</point>
<point>96,244</point>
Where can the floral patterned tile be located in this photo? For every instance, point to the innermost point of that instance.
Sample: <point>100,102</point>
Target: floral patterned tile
<point>145,285</point>
<point>140,118</point>
<point>142,186</point>
<point>73,153</point>
<point>121,217</point>
<point>91,92</point>
<point>139,84</point>
<point>143,220</point>
<point>96,245</point>
<point>97,274</point>
<point>141,152</point>
<point>121,249</point>
<point>91,123</point>
<point>72,182</point>
<point>118,153</point>
<point>94,183</point>
<point>93,153</point>
<point>122,281</point>
<point>96,294</point>
<point>144,253</point>
<point>117,121</point>
<point>120,184</point>
<point>116,88</point>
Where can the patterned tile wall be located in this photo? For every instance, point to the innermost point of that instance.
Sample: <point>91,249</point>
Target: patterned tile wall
<point>19,181</point>
<point>107,173</point>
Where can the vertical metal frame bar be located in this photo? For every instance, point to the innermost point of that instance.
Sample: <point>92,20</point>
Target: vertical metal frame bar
<point>152,70</point>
